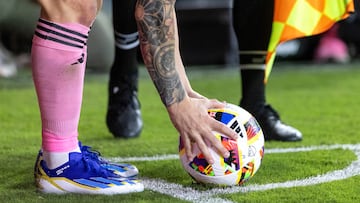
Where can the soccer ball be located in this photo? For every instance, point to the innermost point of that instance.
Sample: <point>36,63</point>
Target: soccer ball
<point>246,152</point>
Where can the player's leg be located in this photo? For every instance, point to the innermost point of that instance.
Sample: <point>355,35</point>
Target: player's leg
<point>253,25</point>
<point>123,114</point>
<point>58,64</point>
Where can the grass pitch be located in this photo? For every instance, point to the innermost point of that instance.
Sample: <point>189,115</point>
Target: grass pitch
<point>320,100</point>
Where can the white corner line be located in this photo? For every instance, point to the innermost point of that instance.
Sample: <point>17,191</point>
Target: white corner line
<point>210,196</point>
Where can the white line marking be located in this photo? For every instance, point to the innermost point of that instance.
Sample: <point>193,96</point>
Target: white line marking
<point>180,192</point>
<point>189,194</point>
<point>148,158</point>
<point>267,151</point>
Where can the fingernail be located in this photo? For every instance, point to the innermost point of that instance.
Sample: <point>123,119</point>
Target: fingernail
<point>226,154</point>
<point>189,158</point>
<point>236,136</point>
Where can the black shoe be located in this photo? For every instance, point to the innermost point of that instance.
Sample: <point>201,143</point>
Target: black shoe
<point>273,128</point>
<point>123,116</point>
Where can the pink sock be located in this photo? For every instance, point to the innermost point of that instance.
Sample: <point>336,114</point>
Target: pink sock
<point>58,65</point>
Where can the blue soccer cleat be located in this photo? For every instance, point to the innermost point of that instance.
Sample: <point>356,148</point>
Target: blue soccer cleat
<point>82,175</point>
<point>121,169</point>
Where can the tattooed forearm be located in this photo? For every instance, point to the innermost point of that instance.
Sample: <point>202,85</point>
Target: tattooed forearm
<point>156,23</point>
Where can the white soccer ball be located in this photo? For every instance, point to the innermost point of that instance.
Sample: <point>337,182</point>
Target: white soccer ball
<point>246,152</point>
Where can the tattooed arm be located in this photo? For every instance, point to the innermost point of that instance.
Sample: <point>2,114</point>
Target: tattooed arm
<point>159,46</point>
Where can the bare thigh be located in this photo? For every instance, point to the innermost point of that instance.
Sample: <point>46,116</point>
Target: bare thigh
<point>70,11</point>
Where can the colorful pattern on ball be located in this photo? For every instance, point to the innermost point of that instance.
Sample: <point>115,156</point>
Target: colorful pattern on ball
<point>246,152</point>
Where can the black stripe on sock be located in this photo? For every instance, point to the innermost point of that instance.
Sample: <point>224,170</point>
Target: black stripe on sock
<point>57,40</point>
<point>63,28</point>
<point>60,34</point>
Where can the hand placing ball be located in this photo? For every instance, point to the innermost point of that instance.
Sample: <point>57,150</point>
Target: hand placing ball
<point>246,152</point>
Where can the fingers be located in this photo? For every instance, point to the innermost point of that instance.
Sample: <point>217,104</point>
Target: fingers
<point>188,144</point>
<point>218,126</point>
<point>208,139</point>
<point>217,145</point>
<point>203,143</point>
<point>199,129</point>
<point>205,150</point>
<point>188,147</point>
<point>224,130</point>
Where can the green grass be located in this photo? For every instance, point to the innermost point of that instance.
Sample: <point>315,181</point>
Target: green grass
<point>321,101</point>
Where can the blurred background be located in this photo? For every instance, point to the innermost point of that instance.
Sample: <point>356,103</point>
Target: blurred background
<point>206,37</point>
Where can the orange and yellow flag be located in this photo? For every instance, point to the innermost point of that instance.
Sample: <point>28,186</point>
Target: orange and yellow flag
<point>300,18</point>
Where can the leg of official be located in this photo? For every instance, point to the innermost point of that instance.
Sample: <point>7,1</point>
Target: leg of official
<point>253,47</point>
<point>123,116</point>
<point>58,63</point>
